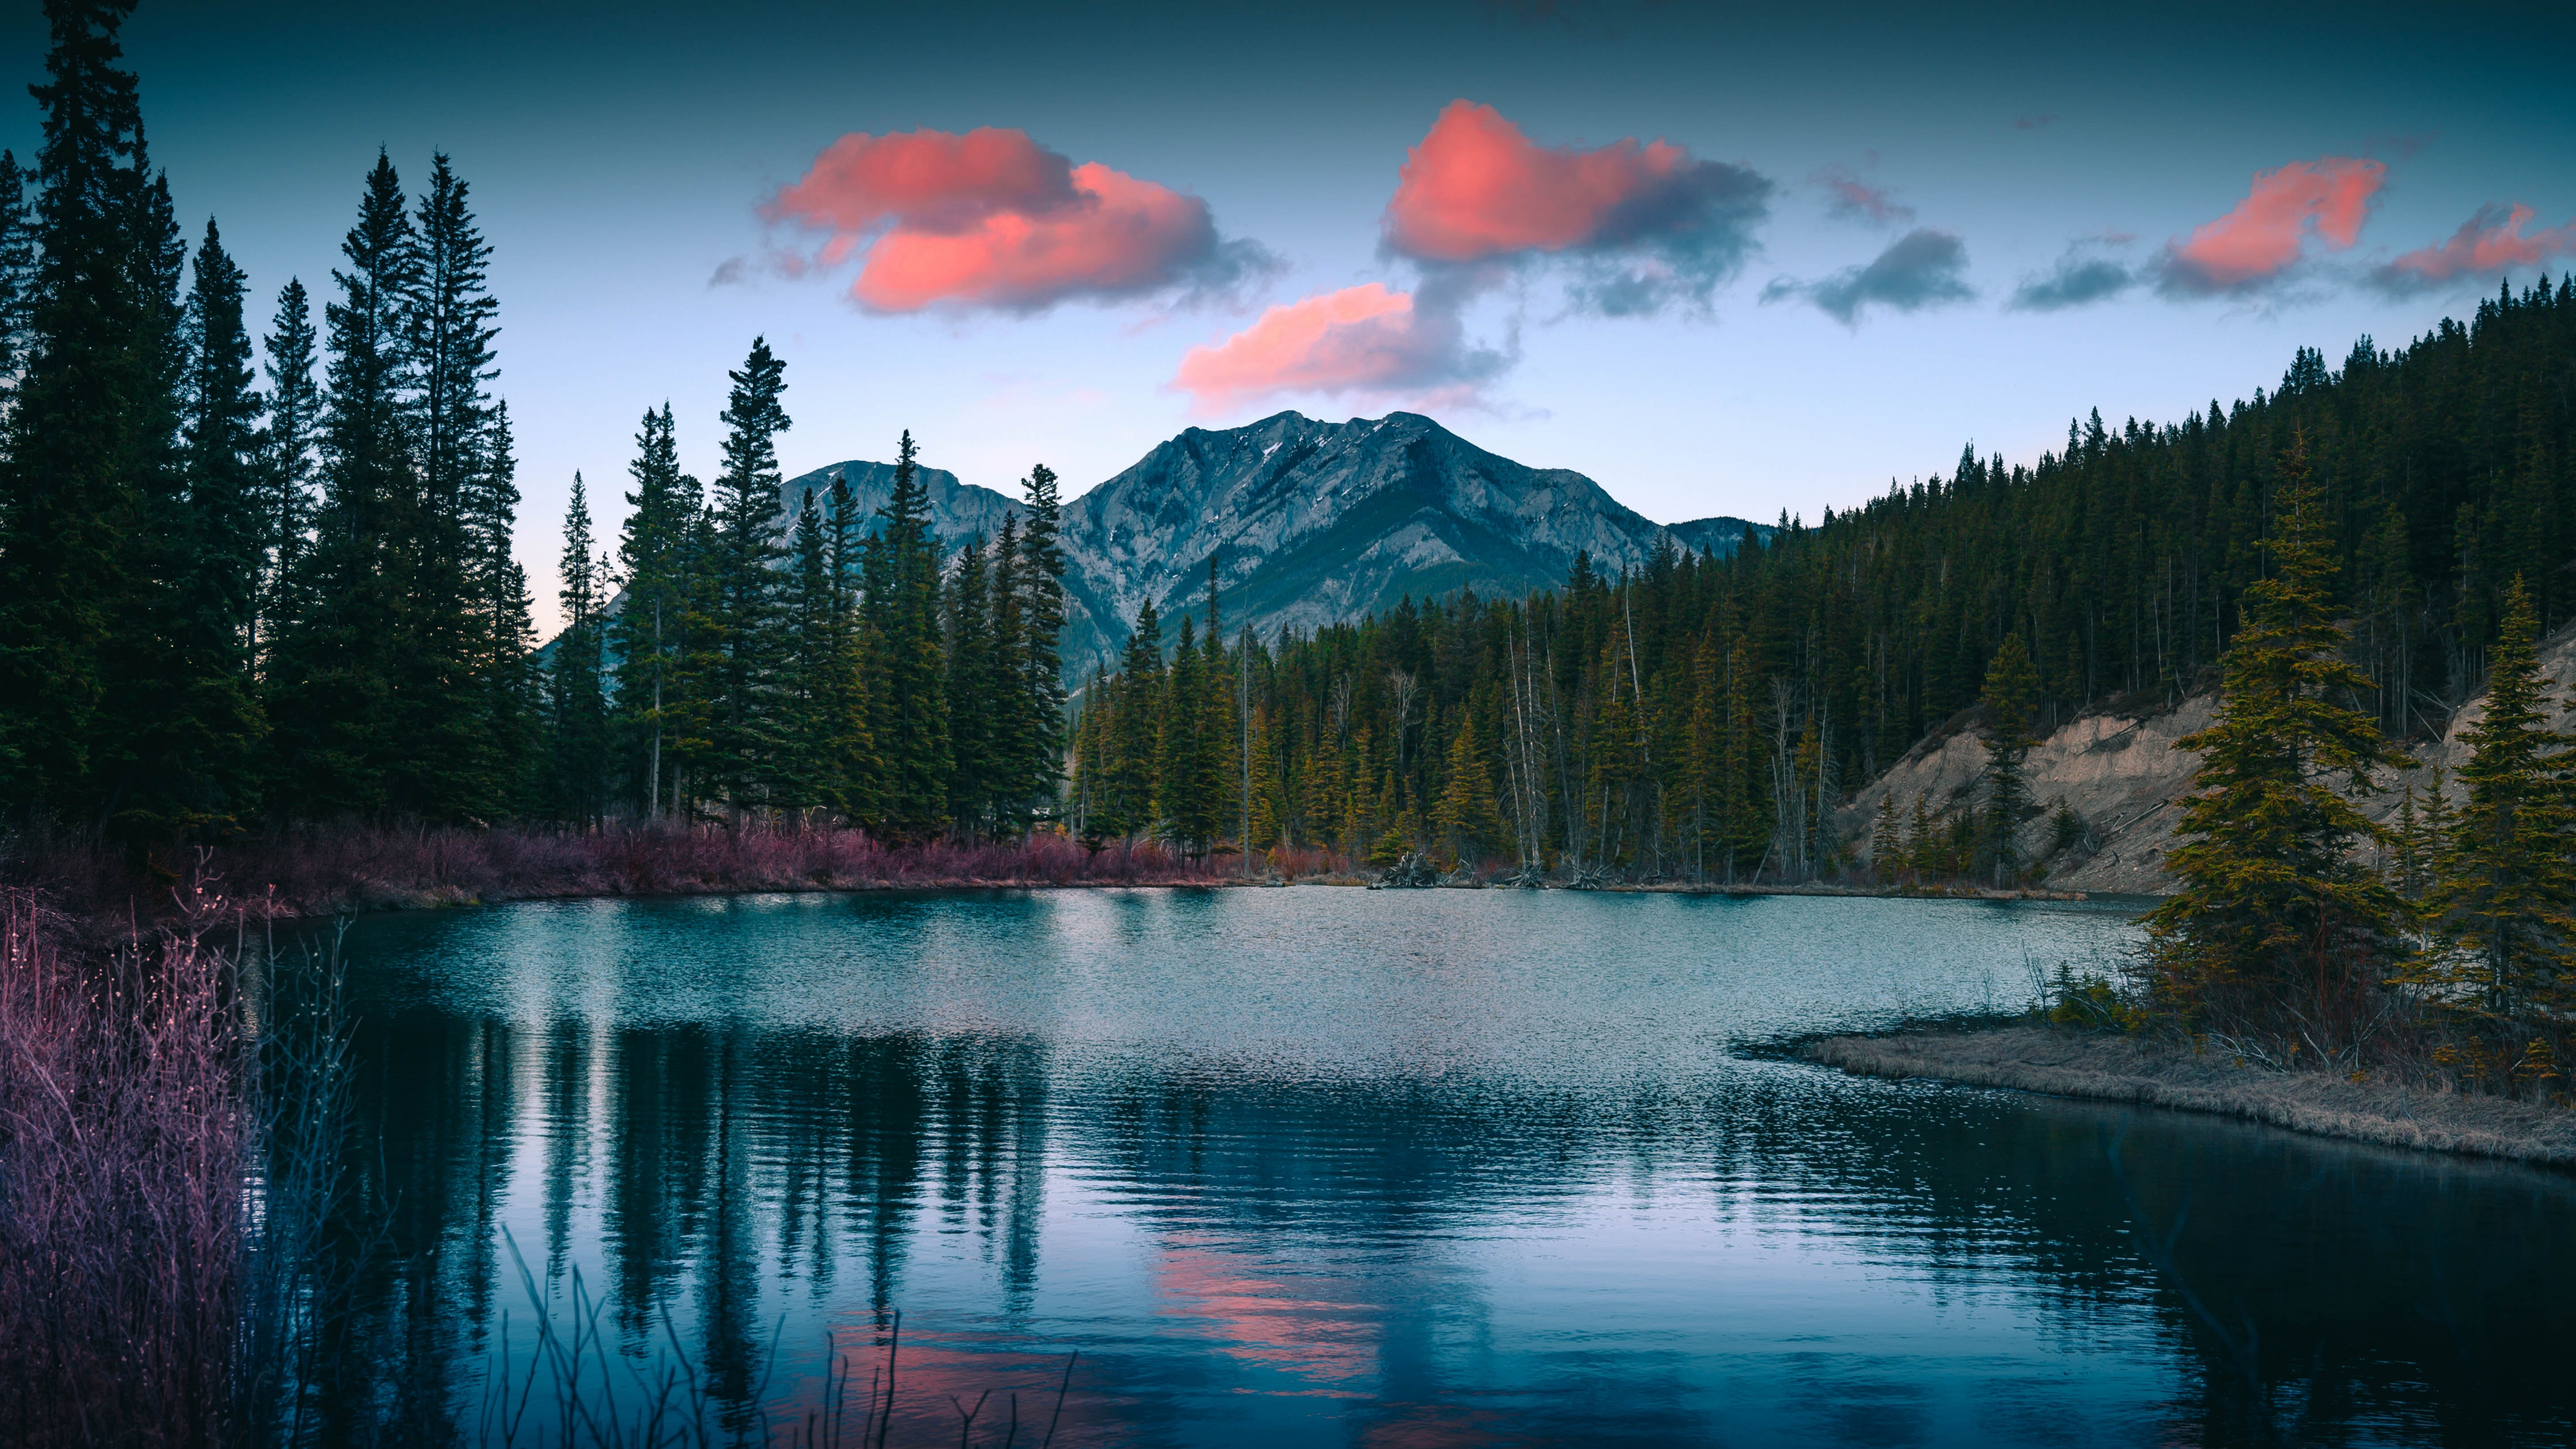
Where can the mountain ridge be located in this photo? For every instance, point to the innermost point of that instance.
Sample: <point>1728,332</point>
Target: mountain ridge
<point>1310,523</point>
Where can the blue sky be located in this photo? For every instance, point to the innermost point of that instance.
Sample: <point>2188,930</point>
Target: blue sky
<point>625,158</point>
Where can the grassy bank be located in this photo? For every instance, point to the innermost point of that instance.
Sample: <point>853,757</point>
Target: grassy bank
<point>2373,1108</point>
<point>326,870</point>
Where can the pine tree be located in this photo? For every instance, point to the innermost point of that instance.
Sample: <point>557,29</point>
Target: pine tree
<point>1039,584</point>
<point>2503,912</point>
<point>331,682</point>
<point>90,417</point>
<point>1464,814</point>
<point>192,751</point>
<point>2012,685</point>
<point>2275,926</point>
<point>1887,841</point>
<point>287,459</point>
<point>976,747</point>
<point>452,722</point>
<point>799,772</point>
<point>1136,729</point>
<point>745,624</point>
<point>852,779</point>
<point>17,279</point>
<point>1185,808</point>
<point>578,706</point>
<point>644,637</point>
<point>907,707</point>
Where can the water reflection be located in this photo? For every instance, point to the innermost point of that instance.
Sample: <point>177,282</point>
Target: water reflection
<point>1296,1165</point>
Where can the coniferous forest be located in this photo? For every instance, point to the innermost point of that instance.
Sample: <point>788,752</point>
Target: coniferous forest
<point>251,586</point>
<point>1701,720</point>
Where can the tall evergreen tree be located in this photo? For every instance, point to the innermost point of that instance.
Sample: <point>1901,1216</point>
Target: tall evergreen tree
<point>1039,585</point>
<point>17,280</point>
<point>452,717</point>
<point>288,446</point>
<point>977,744</point>
<point>746,625</point>
<point>644,636</point>
<point>90,417</point>
<point>907,714</point>
<point>331,698</point>
<point>578,707</point>
<point>852,773</point>
<point>2275,920</point>
<point>2503,908</point>
<point>191,751</point>
<point>2012,687</point>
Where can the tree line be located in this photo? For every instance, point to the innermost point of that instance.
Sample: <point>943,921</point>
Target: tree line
<point>242,596</point>
<point>1702,717</point>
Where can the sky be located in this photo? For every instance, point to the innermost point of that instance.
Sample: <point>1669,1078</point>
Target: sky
<point>1723,260</point>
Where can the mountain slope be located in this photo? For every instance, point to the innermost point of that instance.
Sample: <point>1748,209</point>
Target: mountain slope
<point>1312,522</point>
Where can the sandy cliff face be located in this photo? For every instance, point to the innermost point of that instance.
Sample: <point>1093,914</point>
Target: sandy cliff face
<point>2123,774</point>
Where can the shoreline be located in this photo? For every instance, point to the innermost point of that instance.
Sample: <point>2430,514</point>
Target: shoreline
<point>2060,1063</point>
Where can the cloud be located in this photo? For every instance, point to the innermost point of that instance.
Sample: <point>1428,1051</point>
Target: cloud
<point>1363,339</point>
<point>2487,243</point>
<point>2267,233</point>
<point>1857,200</point>
<point>2080,276</point>
<point>992,219</point>
<point>1646,222</point>
<point>1923,268</point>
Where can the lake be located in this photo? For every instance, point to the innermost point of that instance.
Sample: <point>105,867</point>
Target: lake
<point>1316,1165</point>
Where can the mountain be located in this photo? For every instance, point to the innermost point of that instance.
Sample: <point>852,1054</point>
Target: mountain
<point>1310,522</point>
<point>1313,522</point>
<point>958,511</point>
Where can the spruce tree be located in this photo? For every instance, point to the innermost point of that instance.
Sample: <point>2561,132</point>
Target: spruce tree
<point>746,623</point>
<point>798,783</point>
<point>462,622</point>
<point>1184,810</point>
<point>90,416</point>
<point>644,636</point>
<point>907,705</point>
<point>2502,913</point>
<point>288,446</point>
<point>578,707</point>
<point>1039,585</point>
<point>192,749</point>
<point>977,729</point>
<point>2276,928</point>
<point>17,279</point>
<point>1136,728</point>
<point>851,775</point>
<point>2012,686</point>
<point>1464,814</point>
<point>331,686</point>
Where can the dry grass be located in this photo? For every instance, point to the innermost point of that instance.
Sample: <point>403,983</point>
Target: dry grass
<point>323,870</point>
<point>122,1142</point>
<point>2376,1109</point>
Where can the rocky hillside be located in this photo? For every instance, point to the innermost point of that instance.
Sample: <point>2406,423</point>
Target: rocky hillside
<point>2124,776</point>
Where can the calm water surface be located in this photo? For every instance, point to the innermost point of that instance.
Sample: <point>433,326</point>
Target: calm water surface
<point>1315,1166</point>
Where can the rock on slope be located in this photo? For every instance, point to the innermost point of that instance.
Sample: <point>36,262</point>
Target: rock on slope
<point>2123,774</point>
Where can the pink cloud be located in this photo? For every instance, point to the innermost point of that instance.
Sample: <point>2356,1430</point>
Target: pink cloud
<point>2488,242</point>
<point>2268,231</point>
<point>993,219</point>
<point>1857,200</point>
<point>1477,188</point>
<point>1359,339</point>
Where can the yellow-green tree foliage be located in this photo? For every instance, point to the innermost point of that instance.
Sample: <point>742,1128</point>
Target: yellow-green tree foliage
<point>2275,925</point>
<point>2499,911</point>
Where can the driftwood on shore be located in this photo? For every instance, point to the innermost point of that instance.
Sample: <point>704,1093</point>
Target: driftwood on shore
<point>2121,1069</point>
